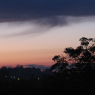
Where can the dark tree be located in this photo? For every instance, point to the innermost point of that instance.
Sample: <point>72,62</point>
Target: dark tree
<point>83,53</point>
<point>81,73</point>
<point>60,64</point>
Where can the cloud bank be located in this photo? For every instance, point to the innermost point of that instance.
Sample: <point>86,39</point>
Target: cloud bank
<point>46,8</point>
<point>39,26</point>
<point>48,13</point>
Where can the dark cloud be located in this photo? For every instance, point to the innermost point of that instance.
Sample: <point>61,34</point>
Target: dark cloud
<point>45,12</point>
<point>35,9</point>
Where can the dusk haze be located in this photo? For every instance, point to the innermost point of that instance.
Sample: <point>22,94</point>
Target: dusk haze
<point>47,47</point>
<point>34,31</point>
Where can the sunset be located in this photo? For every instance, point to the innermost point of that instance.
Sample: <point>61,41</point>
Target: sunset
<point>47,35</point>
<point>23,42</point>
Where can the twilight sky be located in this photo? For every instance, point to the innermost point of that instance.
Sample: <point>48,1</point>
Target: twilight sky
<point>34,31</point>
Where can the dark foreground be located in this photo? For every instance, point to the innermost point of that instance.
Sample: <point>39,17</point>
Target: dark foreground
<point>48,91</point>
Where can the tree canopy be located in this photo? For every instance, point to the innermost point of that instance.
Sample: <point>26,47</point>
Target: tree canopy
<point>85,53</point>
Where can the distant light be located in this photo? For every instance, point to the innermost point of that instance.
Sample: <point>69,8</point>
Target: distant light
<point>18,79</point>
<point>6,76</point>
<point>38,78</point>
<point>11,76</point>
<point>14,76</point>
<point>67,78</point>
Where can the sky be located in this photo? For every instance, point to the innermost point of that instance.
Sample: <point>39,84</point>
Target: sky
<point>34,31</point>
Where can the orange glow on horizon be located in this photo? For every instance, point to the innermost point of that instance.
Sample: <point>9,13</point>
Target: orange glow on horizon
<point>41,57</point>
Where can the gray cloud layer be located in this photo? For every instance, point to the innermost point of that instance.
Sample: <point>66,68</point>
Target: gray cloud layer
<point>45,12</point>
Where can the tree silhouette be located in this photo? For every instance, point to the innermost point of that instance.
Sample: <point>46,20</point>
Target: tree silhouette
<point>82,57</point>
<point>60,64</point>
<point>83,53</point>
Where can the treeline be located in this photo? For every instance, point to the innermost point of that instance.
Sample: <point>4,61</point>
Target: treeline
<point>75,77</point>
<point>62,78</point>
<point>20,77</point>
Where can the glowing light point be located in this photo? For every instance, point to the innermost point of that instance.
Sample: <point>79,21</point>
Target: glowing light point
<point>38,78</point>
<point>18,79</point>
